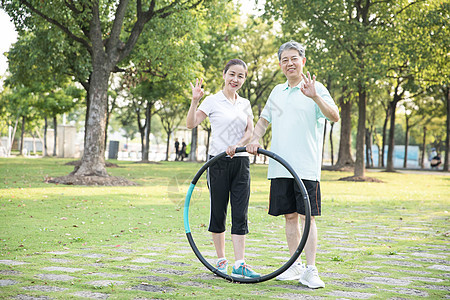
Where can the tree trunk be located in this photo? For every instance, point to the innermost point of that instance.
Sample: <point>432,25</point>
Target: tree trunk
<point>391,141</point>
<point>405,159</point>
<point>169,132</point>
<point>45,136</point>
<point>22,136</point>
<point>331,143</point>
<point>55,134</point>
<point>345,158</point>
<point>323,140</point>
<point>422,158</point>
<point>369,157</point>
<point>383,146</point>
<point>93,160</point>
<point>447,138</point>
<point>148,119</point>
<point>361,134</point>
<point>193,152</point>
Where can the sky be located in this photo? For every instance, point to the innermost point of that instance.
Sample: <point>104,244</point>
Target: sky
<point>9,35</point>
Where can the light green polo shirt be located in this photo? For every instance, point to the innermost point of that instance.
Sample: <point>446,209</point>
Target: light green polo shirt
<point>297,130</point>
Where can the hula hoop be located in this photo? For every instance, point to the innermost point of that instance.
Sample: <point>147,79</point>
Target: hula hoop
<point>304,234</point>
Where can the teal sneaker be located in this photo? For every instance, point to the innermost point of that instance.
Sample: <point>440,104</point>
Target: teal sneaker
<point>222,266</point>
<point>244,271</point>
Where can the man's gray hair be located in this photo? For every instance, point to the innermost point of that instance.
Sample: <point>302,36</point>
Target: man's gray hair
<point>291,45</point>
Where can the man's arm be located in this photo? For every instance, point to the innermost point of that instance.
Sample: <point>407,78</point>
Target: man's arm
<point>260,130</point>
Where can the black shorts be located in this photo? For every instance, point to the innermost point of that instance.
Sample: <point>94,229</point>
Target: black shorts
<point>229,181</point>
<point>286,197</point>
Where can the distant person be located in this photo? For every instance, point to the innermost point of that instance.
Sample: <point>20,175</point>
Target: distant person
<point>436,161</point>
<point>183,150</point>
<point>177,149</point>
<point>231,120</point>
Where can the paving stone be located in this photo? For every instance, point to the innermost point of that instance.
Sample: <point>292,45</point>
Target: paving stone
<point>104,275</point>
<point>353,285</point>
<point>435,287</point>
<point>60,260</point>
<point>156,254</point>
<point>388,281</point>
<point>118,258</point>
<point>132,267</point>
<point>91,295</point>
<point>428,255</point>
<point>346,249</point>
<point>425,279</point>
<point>58,252</point>
<point>206,276</point>
<point>417,272</point>
<point>175,263</point>
<point>411,292</point>
<point>152,288</point>
<point>296,296</point>
<point>6,282</point>
<point>402,263</point>
<point>12,262</point>
<point>370,272</point>
<point>55,277</point>
<point>105,282</point>
<point>434,261</point>
<point>445,268</point>
<point>390,256</point>
<point>10,272</point>
<point>124,250</point>
<point>169,271</point>
<point>153,278</point>
<point>357,295</point>
<point>62,269</point>
<point>44,288</point>
<point>28,297</point>
<point>143,260</point>
<point>295,286</point>
<point>155,248</point>
<point>333,275</point>
<point>198,284</point>
<point>91,255</point>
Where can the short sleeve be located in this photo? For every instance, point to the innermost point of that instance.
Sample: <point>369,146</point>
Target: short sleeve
<point>325,95</point>
<point>267,110</point>
<point>206,106</point>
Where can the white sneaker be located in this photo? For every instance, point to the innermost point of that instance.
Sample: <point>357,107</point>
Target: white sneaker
<point>294,272</point>
<point>311,278</point>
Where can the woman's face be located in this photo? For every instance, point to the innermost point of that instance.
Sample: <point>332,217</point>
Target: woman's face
<point>235,77</point>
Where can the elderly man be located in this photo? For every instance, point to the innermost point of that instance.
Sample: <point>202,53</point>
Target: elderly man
<point>297,110</point>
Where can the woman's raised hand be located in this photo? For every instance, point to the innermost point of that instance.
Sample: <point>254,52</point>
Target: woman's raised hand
<point>197,91</point>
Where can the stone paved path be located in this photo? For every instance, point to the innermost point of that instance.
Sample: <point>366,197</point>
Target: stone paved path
<point>155,272</point>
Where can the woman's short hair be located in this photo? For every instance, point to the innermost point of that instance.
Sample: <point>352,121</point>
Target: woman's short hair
<point>291,45</point>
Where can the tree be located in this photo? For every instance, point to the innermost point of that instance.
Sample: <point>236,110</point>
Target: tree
<point>108,31</point>
<point>171,113</point>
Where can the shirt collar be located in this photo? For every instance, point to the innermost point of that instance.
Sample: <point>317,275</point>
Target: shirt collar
<point>223,98</point>
<point>286,85</point>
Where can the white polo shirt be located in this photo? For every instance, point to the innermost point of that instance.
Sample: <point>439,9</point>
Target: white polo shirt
<point>228,121</point>
<point>297,130</point>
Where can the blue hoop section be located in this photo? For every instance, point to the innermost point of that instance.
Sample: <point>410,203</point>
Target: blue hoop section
<point>305,229</point>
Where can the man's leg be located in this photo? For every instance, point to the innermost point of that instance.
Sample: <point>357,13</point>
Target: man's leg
<point>311,243</point>
<point>292,232</point>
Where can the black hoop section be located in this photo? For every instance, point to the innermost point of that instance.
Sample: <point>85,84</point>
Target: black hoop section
<point>305,229</point>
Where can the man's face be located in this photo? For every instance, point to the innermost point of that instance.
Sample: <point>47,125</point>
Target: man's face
<point>292,64</point>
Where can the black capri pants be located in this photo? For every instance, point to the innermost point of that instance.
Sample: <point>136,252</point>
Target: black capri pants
<point>229,181</point>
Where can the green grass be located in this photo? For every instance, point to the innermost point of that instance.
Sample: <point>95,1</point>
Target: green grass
<point>398,229</point>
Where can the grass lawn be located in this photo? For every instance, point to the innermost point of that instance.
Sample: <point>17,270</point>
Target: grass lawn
<point>385,240</point>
